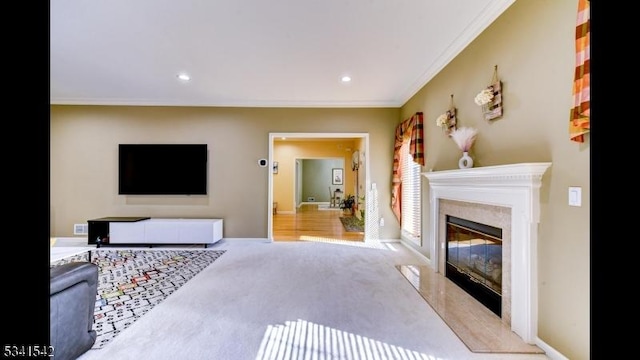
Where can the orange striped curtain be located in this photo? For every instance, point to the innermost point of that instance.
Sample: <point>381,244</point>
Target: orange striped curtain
<point>412,130</point>
<point>580,114</point>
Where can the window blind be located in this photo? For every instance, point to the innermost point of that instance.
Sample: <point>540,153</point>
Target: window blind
<point>410,197</point>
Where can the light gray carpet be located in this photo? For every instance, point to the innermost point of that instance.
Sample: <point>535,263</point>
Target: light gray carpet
<point>287,300</point>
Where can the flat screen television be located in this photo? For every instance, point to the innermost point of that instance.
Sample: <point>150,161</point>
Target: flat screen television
<point>162,169</point>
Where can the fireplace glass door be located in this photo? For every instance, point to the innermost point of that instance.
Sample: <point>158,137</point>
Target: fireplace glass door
<point>474,260</point>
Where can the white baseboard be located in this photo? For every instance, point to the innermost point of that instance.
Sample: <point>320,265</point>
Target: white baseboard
<point>246,239</point>
<point>416,252</point>
<point>388,240</point>
<point>69,241</point>
<point>549,351</point>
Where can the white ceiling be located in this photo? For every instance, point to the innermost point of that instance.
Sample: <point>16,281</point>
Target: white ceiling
<point>249,53</point>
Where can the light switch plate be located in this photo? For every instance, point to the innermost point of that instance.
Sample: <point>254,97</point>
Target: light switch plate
<point>575,196</point>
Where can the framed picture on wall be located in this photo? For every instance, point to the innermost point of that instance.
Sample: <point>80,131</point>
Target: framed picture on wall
<point>337,176</point>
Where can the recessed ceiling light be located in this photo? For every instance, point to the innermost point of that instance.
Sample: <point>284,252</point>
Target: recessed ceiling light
<point>346,79</point>
<point>184,77</point>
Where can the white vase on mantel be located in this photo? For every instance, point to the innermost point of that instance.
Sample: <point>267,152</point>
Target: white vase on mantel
<point>466,161</point>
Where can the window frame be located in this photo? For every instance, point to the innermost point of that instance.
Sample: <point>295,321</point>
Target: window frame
<point>409,178</point>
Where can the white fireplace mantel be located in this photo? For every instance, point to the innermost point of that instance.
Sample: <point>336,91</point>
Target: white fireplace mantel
<point>515,186</point>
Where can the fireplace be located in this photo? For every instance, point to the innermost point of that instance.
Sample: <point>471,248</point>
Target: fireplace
<point>474,260</point>
<point>506,197</point>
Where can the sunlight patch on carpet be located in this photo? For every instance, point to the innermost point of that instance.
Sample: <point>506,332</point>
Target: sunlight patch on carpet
<point>306,340</point>
<point>326,207</point>
<point>132,282</point>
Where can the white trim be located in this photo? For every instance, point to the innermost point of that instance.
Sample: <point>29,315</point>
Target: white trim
<point>409,246</point>
<point>516,186</point>
<point>489,14</point>
<point>549,351</point>
<point>406,236</point>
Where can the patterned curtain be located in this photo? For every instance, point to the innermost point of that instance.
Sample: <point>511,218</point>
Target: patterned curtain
<point>413,131</point>
<point>580,114</point>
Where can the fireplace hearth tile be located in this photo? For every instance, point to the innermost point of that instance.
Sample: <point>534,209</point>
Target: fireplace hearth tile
<point>480,330</point>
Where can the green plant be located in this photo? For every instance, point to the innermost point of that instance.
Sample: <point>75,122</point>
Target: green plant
<point>348,202</point>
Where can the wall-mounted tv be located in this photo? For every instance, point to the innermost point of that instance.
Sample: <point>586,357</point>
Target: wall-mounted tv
<point>162,169</point>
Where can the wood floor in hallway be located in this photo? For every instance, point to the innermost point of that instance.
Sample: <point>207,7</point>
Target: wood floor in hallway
<point>310,223</point>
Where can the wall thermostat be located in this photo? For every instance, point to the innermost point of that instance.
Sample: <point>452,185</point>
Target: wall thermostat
<point>263,162</point>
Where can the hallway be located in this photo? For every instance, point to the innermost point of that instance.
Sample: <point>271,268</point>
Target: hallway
<point>311,223</point>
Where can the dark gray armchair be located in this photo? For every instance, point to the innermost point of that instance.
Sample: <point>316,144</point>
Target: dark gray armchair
<point>72,297</point>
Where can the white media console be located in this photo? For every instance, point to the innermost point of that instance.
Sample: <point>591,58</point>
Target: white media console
<point>165,231</point>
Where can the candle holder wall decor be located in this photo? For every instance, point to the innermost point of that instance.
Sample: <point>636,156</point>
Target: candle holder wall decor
<point>490,98</point>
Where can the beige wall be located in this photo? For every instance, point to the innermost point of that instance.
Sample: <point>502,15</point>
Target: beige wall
<point>84,155</point>
<point>533,45</point>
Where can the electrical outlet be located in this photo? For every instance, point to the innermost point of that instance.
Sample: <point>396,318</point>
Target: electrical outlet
<point>381,221</point>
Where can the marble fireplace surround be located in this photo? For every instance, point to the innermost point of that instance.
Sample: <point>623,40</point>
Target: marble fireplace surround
<point>505,196</point>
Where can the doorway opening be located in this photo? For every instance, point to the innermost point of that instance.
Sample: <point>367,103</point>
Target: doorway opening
<point>312,183</point>
<point>361,173</point>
